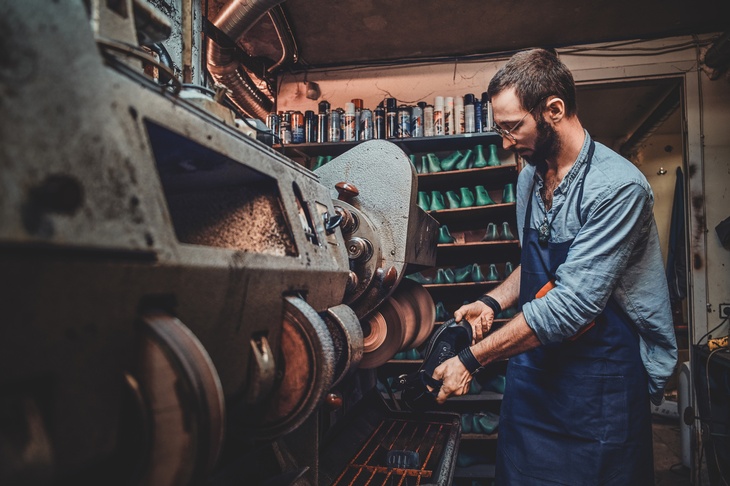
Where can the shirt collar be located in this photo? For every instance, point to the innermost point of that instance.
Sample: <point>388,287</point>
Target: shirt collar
<point>578,165</point>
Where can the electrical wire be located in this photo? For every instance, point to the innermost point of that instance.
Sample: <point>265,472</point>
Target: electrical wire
<point>709,405</point>
<point>709,333</point>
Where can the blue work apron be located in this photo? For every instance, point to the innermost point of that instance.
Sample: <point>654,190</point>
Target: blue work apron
<point>575,412</point>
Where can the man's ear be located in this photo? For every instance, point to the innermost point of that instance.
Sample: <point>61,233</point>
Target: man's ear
<point>556,109</point>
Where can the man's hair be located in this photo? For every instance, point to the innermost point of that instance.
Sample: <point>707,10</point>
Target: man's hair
<point>536,74</point>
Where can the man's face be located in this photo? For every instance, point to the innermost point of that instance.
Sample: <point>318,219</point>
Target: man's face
<point>526,133</point>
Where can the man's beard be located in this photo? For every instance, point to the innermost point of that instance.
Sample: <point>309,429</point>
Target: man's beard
<point>547,145</point>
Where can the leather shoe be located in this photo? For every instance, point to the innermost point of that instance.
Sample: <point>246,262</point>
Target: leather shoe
<point>446,342</point>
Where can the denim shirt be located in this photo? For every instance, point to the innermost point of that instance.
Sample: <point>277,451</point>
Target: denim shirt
<point>615,253</point>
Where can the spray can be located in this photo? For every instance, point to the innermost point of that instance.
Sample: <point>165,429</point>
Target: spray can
<point>404,121</point>
<point>391,118</point>
<point>458,115</point>
<point>358,110</point>
<point>272,123</point>
<point>417,120</point>
<point>297,127</point>
<point>366,125</point>
<point>310,127</point>
<point>469,123</point>
<point>379,123</point>
<point>285,128</point>
<point>324,106</point>
<point>350,132</point>
<point>323,128</point>
<point>478,117</point>
<point>486,119</point>
<point>428,121</point>
<point>334,128</point>
<point>438,116</point>
<point>449,116</point>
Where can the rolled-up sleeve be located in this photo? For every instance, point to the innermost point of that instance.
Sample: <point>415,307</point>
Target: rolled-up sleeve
<point>618,220</point>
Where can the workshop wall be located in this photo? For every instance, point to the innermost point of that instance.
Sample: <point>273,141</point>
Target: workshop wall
<point>708,111</point>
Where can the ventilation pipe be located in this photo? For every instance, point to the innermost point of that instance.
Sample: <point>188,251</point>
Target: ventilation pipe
<point>234,20</point>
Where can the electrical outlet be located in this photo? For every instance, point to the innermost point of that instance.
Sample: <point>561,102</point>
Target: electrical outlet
<point>724,310</point>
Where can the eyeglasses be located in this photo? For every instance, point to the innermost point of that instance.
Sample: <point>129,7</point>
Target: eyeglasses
<point>508,133</point>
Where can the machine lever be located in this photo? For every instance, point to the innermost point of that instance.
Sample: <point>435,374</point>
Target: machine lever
<point>331,222</point>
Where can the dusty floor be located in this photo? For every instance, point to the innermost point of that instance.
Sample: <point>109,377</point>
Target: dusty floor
<point>668,468</point>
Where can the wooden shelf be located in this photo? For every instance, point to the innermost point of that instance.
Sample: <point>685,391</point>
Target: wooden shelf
<point>454,179</point>
<point>465,218</point>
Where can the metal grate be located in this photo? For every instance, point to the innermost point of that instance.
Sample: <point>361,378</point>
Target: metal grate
<point>430,439</point>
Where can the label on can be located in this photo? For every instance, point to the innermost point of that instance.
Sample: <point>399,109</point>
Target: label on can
<point>366,125</point>
<point>428,121</point>
<point>404,122</point>
<point>438,122</point>
<point>323,128</point>
<point>297,127</point>
<point>379,123</point>
<point>416,122</point>
<point>350,132</point>
<point>334,129</point>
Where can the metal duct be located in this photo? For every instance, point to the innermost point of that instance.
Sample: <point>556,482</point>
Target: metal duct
<point>234,20</point>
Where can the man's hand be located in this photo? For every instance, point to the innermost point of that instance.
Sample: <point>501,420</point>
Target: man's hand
<point>455,379</point>
<point>479,315</point>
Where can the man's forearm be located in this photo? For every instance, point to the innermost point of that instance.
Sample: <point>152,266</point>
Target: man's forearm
<point>513,338</point>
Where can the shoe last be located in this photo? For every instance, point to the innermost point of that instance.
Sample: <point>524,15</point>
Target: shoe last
<point>493,275</point>
<point>483,198</point>
<point>476,273</point>
<point>437,201</point>
<point>479,160</point>
<point>418,277</point>
<point>491,233</point>
<point>449,274</point>
<point>433,163</point>
<point>424,202</point>
<point>445,235</point>
<point>463,163</point>
<point>452,200</point>
<point>508,194</point>
<point>487,422</point>
<point>463,274</point>
<point>440,277</point>
<point>467,197</point>
<point>441,313</point>
<point>506,233</point>
<point>450,160</point>
<point>493,156</point>
<point>508,269</point>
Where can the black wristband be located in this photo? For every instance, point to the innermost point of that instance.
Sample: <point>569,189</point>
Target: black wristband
<point>470,362</point>
<point>491,303</point>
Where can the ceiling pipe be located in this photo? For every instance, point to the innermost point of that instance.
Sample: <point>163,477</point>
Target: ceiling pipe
<point>234,20</point>
<point>653,122</point>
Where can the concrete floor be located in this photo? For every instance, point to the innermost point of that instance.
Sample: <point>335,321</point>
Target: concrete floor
<point>668,468</point>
